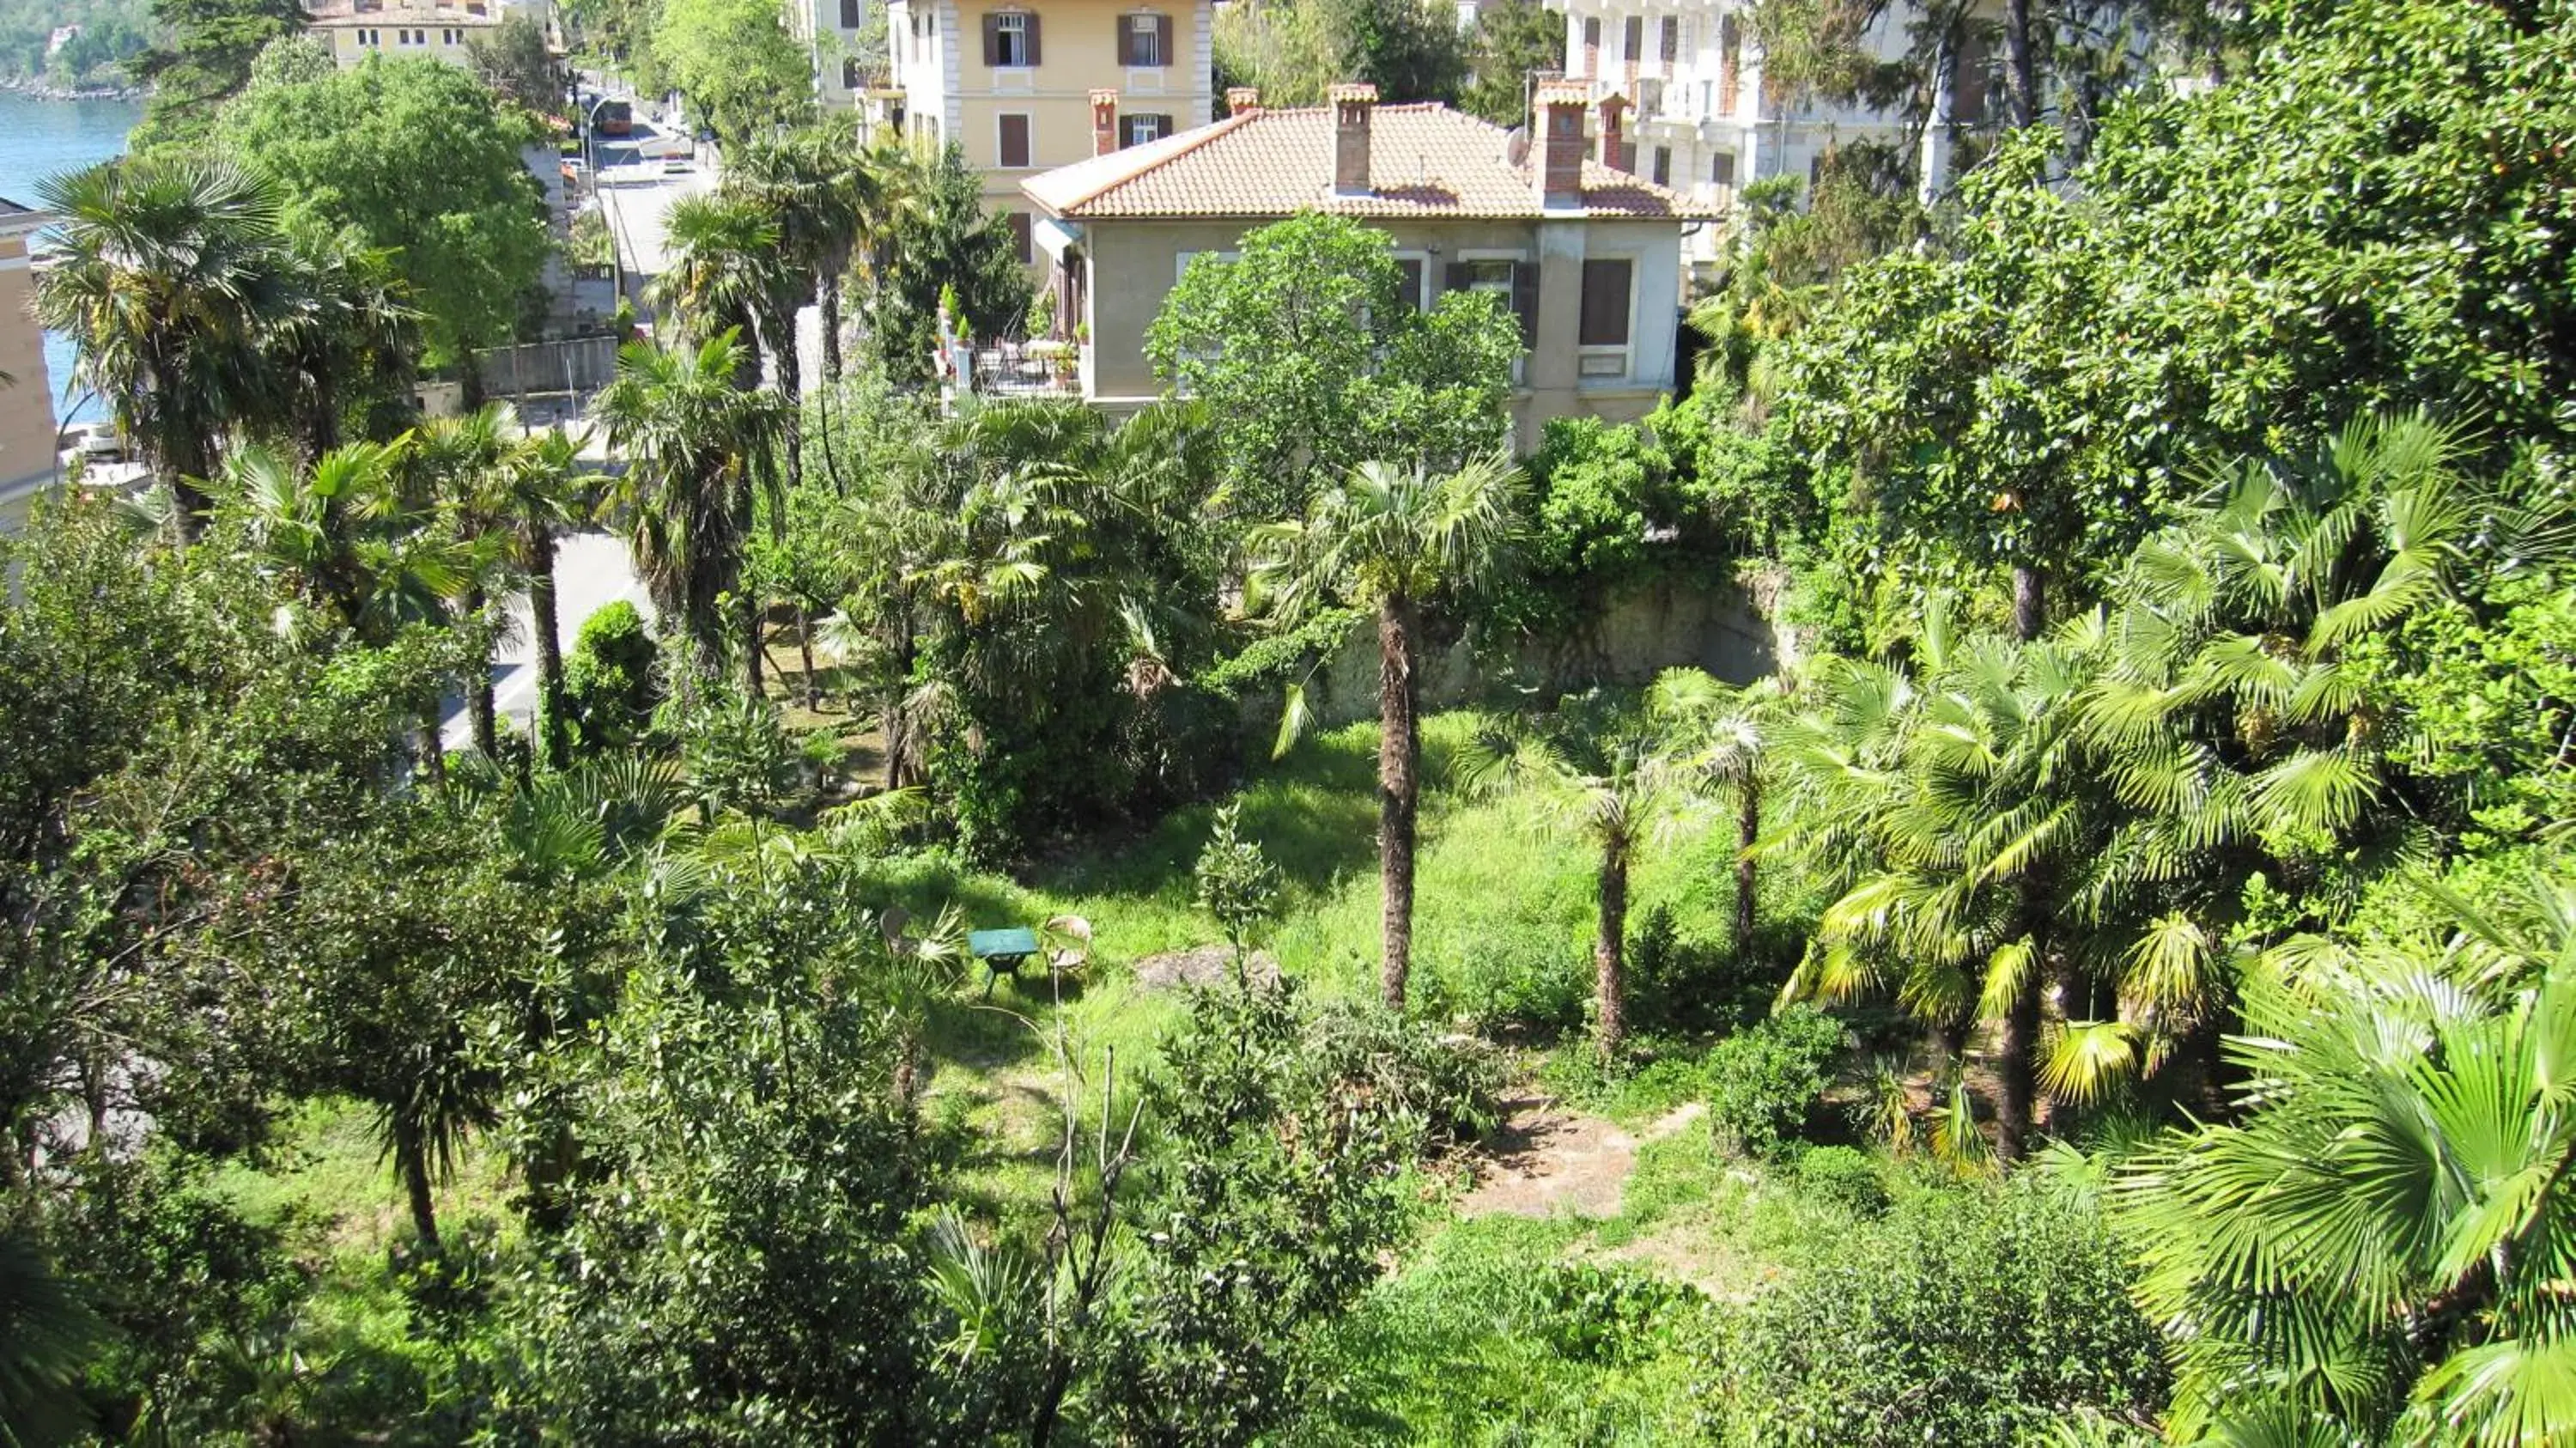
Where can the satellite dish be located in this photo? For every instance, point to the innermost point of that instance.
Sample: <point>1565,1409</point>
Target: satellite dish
<point>1516,145</point>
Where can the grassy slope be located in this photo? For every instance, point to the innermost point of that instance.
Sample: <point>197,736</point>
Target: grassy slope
<point>1499,896</point>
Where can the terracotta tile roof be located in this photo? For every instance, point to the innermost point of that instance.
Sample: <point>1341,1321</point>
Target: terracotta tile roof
<point>1425,160</point>
<point>337,16</point>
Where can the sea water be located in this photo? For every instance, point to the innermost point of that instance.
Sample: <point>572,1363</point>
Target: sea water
<point>40,138</point>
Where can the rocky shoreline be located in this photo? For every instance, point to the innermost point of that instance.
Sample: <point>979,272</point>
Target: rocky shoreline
<point>37,89</point>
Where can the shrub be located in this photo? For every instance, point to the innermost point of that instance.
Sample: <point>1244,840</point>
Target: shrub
<point>610,687</point>
<point>1845,1177</point>
<point>1680,983</point>
<point>1522,972</point>
<point>1764,1082</point>
<point>1967,1317</point>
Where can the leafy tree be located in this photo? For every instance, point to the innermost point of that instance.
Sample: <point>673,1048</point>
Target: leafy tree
<point>422,161</point>
<point>736,63</point>
<point>172,270</point>
<point>46,1333</point>
<point>347,346</point>
<point>2365,1255</point>
<point>942,242</point>
<point>205,60</point>
<point>1311,362</point>
<point>697,449</point>
<point>1392,539</point>
<point>610,691</point>
<point>1410,50</point>
<point>512,59</point>
<point>1511,43</point>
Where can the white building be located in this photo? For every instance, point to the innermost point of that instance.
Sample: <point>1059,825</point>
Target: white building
<point>835,36</point>
<point>1704,124</point>
<point>353,30</point>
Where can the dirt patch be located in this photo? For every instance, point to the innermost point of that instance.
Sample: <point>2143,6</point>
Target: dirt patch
<point>1201,965</point>
<point>1545,1159</point>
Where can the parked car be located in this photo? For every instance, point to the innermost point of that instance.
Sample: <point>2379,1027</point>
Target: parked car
<point>98,442</point>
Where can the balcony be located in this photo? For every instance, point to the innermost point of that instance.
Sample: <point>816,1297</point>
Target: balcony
<point>1028,369</point>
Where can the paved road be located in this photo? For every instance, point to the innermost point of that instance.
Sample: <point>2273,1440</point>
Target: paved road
<point>591,571</point>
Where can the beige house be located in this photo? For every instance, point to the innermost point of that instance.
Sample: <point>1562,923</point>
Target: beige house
<point>27,459</point>
<point>1020,84</point>
<point>354,29</point>
<point>1588,257</point>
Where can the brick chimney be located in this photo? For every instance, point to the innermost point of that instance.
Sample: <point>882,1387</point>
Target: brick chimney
<point>1614,132</point>
<point>1352,107</point>
<point>1556,152</point>
<point>1240,99</point>
<point>1104,122</point>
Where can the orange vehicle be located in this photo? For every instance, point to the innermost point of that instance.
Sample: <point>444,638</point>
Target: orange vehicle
<point>612,118</point>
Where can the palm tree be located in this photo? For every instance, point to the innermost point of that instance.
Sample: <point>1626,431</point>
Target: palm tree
<point>1725,733</point>
<point>815,186</point>
<point>539,493</point>
<point>46,1334</point>
<point>461,460</point>
<point>345,333</point>
<point>346,536</point>
<point>2376,1250</point>
<point>1392,539</point>
<point>696,449</point>
<point>172,270</point>
<point>1606,777</point>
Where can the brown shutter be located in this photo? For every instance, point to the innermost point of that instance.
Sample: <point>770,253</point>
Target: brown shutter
<point>1525,300</point>
<point>1604,322</point>
<point>1033,38</point>
<point>1020,239</point>
<point>992,39</point>
<point>1124,39</point>
<point>1411,266</point>
<point>1014,142</point>
<point>1670,41</point>
<point>1162,127</point>
<point>1163,29</point>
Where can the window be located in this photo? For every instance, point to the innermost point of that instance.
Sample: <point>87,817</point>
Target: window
<point>1670,41</point>
<point>1605,303</point>
<point>850,16</point>
<point>1632,39</point>
<point>1141,129</point>
<point>1707,99</point>
<point>1721,170</point>
<point>850,75</point>
<point>1145,40</point>
<point>1021,244</point>
<point>1411,290</point>
<point>1514,281</point>
<point>1663,165</point>
<point>1591,46</point>
<point>1013,145</point>
<point>1011,40</point>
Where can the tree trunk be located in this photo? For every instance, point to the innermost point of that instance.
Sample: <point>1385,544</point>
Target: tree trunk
<point>827,302</point>
<point>791,386</point>
<point>805,653</point>
<point>1748,829</point>
<point>1608,953</point>
<point>554,743</point>
<point>2021,87</point>
<point>182,464</point>
<point>1399,756</point>
<point>411,1160</point>
<point>2018,1043</point>
<point>896,726</point>
<point>751,628</point>
<point>2074,1003</point>
<point>2030,601</point>
<point>479,704</point>
<point>433,747</point>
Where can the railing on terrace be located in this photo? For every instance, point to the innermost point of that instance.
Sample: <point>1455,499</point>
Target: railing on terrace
<point>1028,369</point>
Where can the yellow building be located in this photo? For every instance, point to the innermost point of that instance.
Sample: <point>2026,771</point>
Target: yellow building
<point>26,403</point>
<point>1029,85</point>
<point>354,29</point>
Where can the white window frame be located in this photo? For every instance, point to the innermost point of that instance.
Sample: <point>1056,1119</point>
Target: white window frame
<point>1586,372</point>
<point>1004,30</point>
<point>1149,25</point>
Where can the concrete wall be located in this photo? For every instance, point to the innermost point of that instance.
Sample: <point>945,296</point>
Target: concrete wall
<point>1717,625</point>
<point>577,364</point>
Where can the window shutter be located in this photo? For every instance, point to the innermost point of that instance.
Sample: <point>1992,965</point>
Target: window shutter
<point>1670,39</point>
<point>1163,37</point>
<point>1033,38</point>
<point>1125,30</point>
<point>1162,127</point>
<point>1014,139</point>
<point>1525,300</point>
<point>1604,322</point>
<point>1411,266</point>
<point>992,39</point>
<point>850,14</point>
<point>1021,241</point>
<point>1453,277</point>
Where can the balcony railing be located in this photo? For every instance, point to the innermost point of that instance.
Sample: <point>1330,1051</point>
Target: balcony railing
<point>1028,369</point>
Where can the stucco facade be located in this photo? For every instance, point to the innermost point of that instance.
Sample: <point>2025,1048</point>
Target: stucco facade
<point>353,32</point>
<point>834,34</point>
<point>1034,110</point>
<point>26,404</point>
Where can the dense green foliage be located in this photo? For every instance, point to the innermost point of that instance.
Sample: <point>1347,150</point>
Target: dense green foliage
<point>735,61</point>
<point>418,159</point>
<point>110,33</point>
